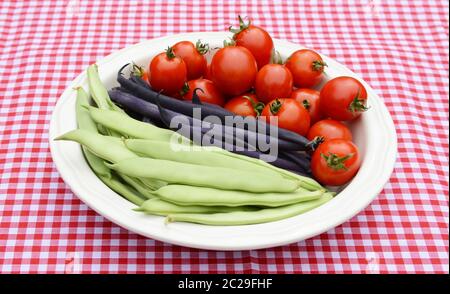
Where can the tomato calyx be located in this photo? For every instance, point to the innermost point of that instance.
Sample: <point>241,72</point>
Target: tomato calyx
<point>184,89</point>
<point>242,26</point>
<point>169,53</point>
<point>335,162</point>
<point>319,65</point>
<point>202,48</point>
<point>229,43</point>
<point>137,70</point>
<point>358,105</point>
<point>257,107</point>
<point>306,104</point>
<point>275,106</point>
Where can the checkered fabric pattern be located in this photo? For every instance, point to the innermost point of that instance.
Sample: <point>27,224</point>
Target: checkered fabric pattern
<point>399,47</point>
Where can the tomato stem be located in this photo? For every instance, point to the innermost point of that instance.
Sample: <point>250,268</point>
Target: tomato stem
<point>169,52</point>
<point>184,89</point>
<point>228,43</point>
<point>137,70</point>
<point>242,26</point>
<point>202,48</point>
<point>257,107</point>
<point>358,105</point>
<point>275,106</point>
<point>306,104</point>
<point>319,65</point>
<point>335,162</point>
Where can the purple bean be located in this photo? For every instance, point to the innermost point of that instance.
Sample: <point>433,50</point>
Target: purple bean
<point>186,108</point>
<point>301,159</point>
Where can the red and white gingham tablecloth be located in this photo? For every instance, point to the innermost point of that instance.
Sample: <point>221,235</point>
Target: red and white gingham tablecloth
<point>399,47</point>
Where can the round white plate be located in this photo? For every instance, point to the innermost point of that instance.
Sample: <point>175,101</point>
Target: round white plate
<point>374,133</point>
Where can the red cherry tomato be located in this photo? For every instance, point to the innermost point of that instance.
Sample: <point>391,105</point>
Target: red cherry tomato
<point>273,81</point>
<point>306,67</point>
<point>329,129</point>
<point>291,115</point>
<point>256,40</point>
<point>167,72</point>
<point>245,105</point>
<point>335,162</point>
<point>210,92</point>
<point>193,57</point>
<point>233,70</point>
<point>309,98</point>
<point>343,98</point>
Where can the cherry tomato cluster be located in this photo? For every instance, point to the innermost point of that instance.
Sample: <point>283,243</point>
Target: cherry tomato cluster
<point>248,77</point>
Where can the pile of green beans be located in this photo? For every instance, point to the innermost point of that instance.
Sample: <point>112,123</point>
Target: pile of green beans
<point>85,123</point>
<point>162,174</point>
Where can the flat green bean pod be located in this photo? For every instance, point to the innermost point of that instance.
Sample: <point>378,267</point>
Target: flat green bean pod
<point>191,154</point>
<point>249,217</point>
<point>100,96</point>
<point>85,122</point>
<point>126,191</point>
<point>205,176</point>
<point>161,207</point>
<point>109,148</point>
<point>152,184</point>
<point>98,90</point>
<point>138,186</point>
<point>124,124</point>
<point>305,182</point>
<point>187,195</point>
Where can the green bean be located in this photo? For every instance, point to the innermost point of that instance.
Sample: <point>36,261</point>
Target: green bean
<point>161,207</point>
<point>186,195</point>
<point>305,182</point>
<point>191,154</point>
<point>108,148</point>
<point>124,124</point>
<point>86,123</point>
<point>249,217</point>
<point>101,97</point>
<point>138,186</point>
<point>96,87</point>
<point>206,176</point>
<point>104,174</point>
<point>84,120</point>
<point>126,191</point>
<point>98,90</point>
<point>152,184</point>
